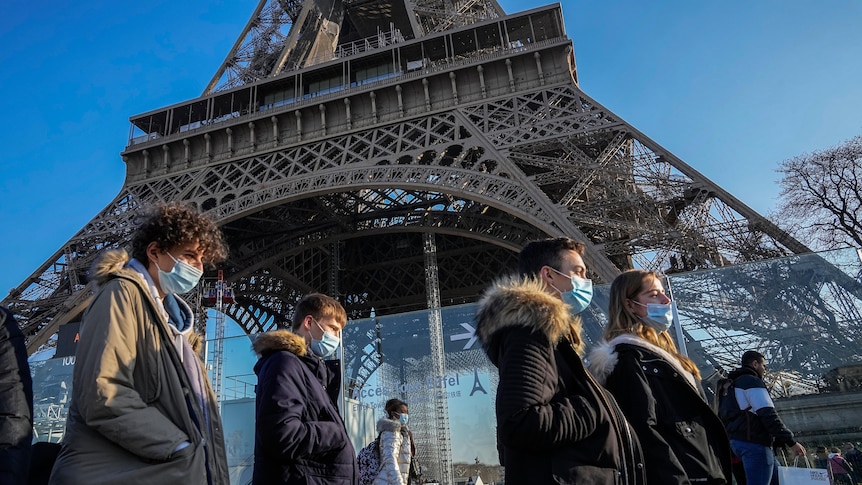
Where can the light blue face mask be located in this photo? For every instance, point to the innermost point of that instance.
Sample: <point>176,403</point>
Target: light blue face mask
<point>659,316</point>
<point>403,419</point>
<point>182,278</point>
<point>581,294</point>
<point>327,345</point>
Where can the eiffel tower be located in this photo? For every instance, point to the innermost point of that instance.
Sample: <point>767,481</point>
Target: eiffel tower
<point>397,154</point>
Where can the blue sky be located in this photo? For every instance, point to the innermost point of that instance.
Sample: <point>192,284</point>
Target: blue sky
<point>733,88</point>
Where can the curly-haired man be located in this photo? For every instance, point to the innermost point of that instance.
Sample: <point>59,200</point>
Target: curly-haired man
<point>142,410</point>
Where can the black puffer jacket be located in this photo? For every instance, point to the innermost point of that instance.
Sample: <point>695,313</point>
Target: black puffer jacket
<point>16,402</point>
<point>684,442</point>
<point>299,435</point>
<point>555,424</point>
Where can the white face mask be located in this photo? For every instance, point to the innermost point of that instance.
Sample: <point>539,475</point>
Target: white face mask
<point>327,345</point>
<point>182,278</point>
<point>659,316</point>
<point>581,294</point>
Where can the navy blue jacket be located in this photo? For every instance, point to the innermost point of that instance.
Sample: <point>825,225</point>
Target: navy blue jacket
<point>299,435</point>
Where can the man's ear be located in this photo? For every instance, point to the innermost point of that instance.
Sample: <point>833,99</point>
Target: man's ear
<point>545,275</point>
<point>153,250</point>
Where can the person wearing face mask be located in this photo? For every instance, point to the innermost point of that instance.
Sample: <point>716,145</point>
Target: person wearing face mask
<point>555,424</point>
<point>396,445</point>
<point>142,410</point>
<point>657,387</point>
<point>299,434</point>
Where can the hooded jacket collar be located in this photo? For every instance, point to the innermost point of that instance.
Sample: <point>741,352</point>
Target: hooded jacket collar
<point>111,264</point>
<point>388,424</point>
<point>277,340</point>
<point>117,264</point>
<point>523,302</point>
<point>743,371</point>
<point>604,358</point>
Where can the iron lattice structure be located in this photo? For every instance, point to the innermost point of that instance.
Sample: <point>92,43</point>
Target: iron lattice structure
<point>338,135</point>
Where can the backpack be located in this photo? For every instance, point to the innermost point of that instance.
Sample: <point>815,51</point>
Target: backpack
<point>727,405</point>
<point>368,460</point>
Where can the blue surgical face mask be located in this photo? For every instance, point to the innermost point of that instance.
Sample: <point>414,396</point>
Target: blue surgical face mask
<point>327,345</point>
<point>581,294</point>
<point>403,419</point>
<point>659,316</point>
<point>181,279</point>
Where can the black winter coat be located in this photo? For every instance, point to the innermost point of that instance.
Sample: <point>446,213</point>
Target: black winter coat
<point>684,442</point>
<point>555,424</point>
<point>299,435</point>
<point>16,402</point>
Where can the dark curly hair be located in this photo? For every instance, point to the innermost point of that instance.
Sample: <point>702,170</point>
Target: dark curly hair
<point>176,223</point>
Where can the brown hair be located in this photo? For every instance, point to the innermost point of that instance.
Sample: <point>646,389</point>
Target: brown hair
<point>621,321</point>
<point>318,306</point>
<point>546,253</point>
<point>176,223</point>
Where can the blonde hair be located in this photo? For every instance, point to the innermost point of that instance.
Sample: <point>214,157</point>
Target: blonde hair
<point>621,320</point>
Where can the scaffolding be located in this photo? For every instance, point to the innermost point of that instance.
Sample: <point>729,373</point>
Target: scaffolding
<point>219,295</point>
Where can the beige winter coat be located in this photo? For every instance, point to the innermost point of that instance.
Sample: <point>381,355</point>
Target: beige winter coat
<point>132,400</point>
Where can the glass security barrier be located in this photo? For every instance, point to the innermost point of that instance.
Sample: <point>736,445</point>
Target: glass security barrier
<point>804,313</point>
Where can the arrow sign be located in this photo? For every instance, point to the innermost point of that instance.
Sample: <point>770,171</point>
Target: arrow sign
<point>470,336</point>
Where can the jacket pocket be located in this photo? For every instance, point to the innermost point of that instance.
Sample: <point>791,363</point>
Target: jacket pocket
<point>694,452</point>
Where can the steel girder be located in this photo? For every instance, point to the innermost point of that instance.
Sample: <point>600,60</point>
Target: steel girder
<point>526,156</point>
<point>638,206</point>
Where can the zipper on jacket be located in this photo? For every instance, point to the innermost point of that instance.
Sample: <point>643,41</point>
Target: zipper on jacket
<point>616,413</point>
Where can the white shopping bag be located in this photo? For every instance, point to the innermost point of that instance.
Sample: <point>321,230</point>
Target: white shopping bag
<point>793,475</point>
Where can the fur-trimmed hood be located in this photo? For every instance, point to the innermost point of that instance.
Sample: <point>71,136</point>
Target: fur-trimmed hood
<point>523,302</point>
<point>388,424</point>
<point>279,340</point>
<point>116,263</point>
<point>604,358</point>
<point>110,263</point>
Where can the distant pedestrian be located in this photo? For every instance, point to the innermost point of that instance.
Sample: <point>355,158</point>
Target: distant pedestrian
<point>16,402</point>
<point>854,457</point>
<point>395,445</point>
<point>840,470</point>
<point>142,410</point>
<point>300,437</point>
<point>821,458</point>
